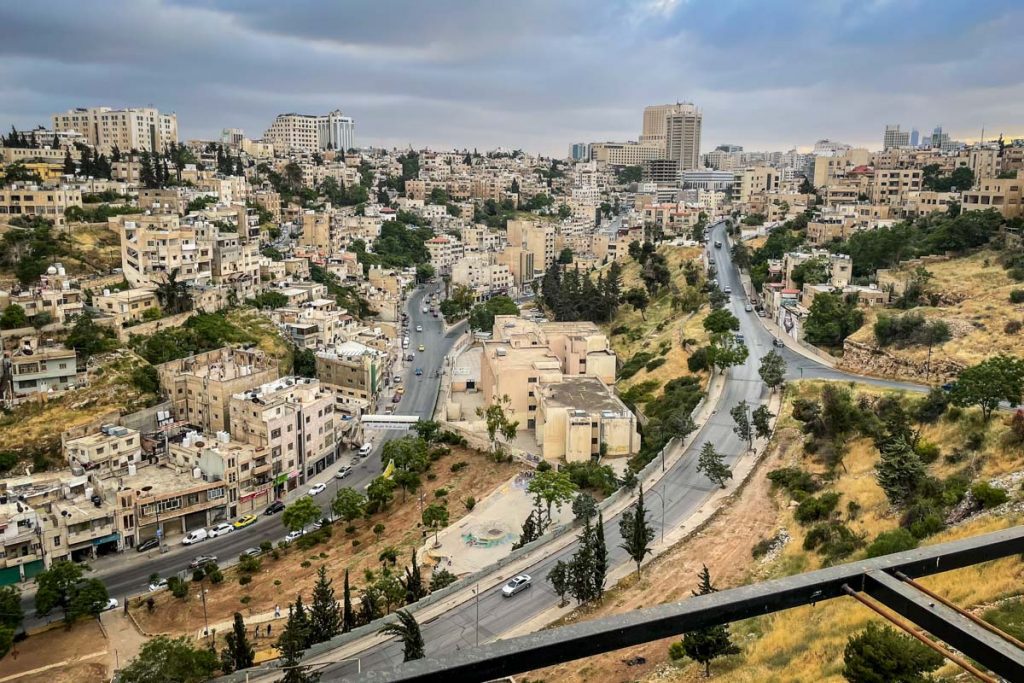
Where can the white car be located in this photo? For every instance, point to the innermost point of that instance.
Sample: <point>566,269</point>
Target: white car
<point>516,585</point>
<point>221,529</point>
<point>158,585</point>
<point>317,488</point>
<point>112,603</point>
<point>292,535</point>
<point>748,308</point>
<point>343,472</point>
<point>419,328</point>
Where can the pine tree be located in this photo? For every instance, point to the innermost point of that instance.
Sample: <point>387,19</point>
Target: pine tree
<point>146,174</point>
<point>55,143</point>
<point>899,471</point>
<point>559,579</point>
<point>599,566</point>
<point>325,613</point>
<point>530,531</point>
<point>238,650</point>
<point>69,164</point>
<point>165,174</point>
<point>413,582</point>
<point>293,643</point>
<point>580,570</point>
<point>348,618</point>
<point>115,154</point>
<point>712,464</point>
<point>706,644</point>
<point>86,162</point>
<point>637,534</point>
<point>408,629</point>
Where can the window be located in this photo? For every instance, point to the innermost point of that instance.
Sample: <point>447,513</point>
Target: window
<point>276,434</point>
<point>56,541</point>
<point>214,494</point>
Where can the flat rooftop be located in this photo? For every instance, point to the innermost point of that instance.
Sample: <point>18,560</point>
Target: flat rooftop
<point>161,479</point>
<point>584,393</point>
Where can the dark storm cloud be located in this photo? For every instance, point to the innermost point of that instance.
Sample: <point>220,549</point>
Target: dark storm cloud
<point>536,74</point>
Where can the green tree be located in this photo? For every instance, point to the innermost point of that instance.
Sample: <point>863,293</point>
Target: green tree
<point>380,492</point>
<point>637,533</point>
<point>238,651</point>
<point>813,271</point>
<point>349,504</point>
<point>637,298</point>
<point>565,256</point>
<point>712,464</point>
<point>742,428</point>
<point>89,599</point>
<point>531,529</point>
<point>325,618</point>
<point>584,506</point>
<point>721,320</point>
<point>762,420</point>
<point>407,629</point>
<point>899,471</point>
<point>548,488</point>
<point>725,351</point>
<point>300,514</point>
<point>414,589</point>
<point>87,338</point>
<point>435,516</point>
<point>424,271</point>
<point>163,659</point>
<point>11,616</point>
<point>303,362</point>
<point>880,654</point>
<point>498,422</point>
<point>293,642</point>
<point>832,318</point>
<point>348,617</point>
<point>772,370</point>
<point>13,318</point>
<point>599,564</point>
<point>996,379</point>
<point>57,587</point>
<point>558,577</point>
<point>706,644</point>
<point>441,578</point>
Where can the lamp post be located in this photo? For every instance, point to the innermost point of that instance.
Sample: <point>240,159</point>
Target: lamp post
<point>662,499</point>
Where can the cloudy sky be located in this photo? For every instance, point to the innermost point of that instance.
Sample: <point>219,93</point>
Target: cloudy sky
<point>535,74</point>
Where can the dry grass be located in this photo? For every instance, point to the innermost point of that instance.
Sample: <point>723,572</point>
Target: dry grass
<point>982,289</point>
<point>403,531</point>
<point>267,335</point>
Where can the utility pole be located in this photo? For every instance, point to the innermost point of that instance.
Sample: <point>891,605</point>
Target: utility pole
<point>206,620</point>
<point>477,591</point>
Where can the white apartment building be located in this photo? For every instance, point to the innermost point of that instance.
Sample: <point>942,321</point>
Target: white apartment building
<point>143,128</point>
<point>336,131</point>
<point>311,132</point>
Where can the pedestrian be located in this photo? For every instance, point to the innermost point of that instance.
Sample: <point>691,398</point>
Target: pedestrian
<point>256,632</point>
<point>269,626</point>
<point>277,611</point>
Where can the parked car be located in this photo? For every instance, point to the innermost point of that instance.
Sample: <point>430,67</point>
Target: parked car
<point>158,585</point>
<point>400,390</point>
<point>252,552</point>
<point>419,371</point>
<point>292,535</point>
<point>317,488</point>
<point>365,449</point>
<point>112,603</point>
<point>343,472</point>
<point>396,398</point>
<point>748,308</point>
<point>728,289</point>
<point>195,536</point>
<point>148,544</point>
<point>202,560</point>
<point>397,379</point>
<point>274,508</point>
<point>410,357</point>
<point>244,521</point>
<point>221,529</point>
<point>515,585</point>
<point>778,342</point>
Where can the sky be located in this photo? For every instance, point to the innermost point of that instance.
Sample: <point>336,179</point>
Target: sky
<point>531,74</point>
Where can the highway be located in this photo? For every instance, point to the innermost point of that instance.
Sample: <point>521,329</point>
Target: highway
<point>128,573</point>
<point>683,489</point>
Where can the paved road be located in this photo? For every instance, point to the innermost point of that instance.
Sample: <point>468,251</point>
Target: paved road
<point>128,573</point>
<point>683,490</point>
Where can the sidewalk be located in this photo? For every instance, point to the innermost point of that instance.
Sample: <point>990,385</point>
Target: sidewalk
<point>795,346</point>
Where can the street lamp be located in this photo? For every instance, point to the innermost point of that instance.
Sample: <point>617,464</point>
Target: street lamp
<point>662,499</point>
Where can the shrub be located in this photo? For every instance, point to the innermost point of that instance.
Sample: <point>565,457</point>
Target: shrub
<point>350,529</point>
<point>987,495</point>
<point>277,582</point>
<point>592,476</point>
<point>1013,327</point>
<point>276,554</point>
<point>179,588</point>
<point>931,407</point>
<point>470,503</point>
<point>245,599</point>
<point>834,541</point>
<point>975,440</point>
<point>619,329</point>
<point>698,360</point>
<point>1017,296</point>
<point>762,547</point>
<point>813,509</point>
<point>431,476</point>
<point>355,542</point>
<point>676,651</point>
<point>451,438</point>
<point>910,329</point>
<point>244,580</point>
<point>794,480</point>
<point>655,364</point>
<point>928,452</point>
<point>633,365</point>
<point>441,493</point>
<point>894,541</point>
<point>265,546</point>
<point>216,576</point>
<point>198,574</point>
<point>923,519</point>
<point>460,465</point>
<point>306,564</point>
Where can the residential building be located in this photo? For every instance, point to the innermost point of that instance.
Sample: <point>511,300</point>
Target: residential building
<point>1005,195</point>
<point>661,171</point>
<point>748,181</point>
<point>840,266</point>
<point>444,251</point>
<point>200,387</point>
<point>293,417</point>
<point>110,450</point>
<point>625,153</point>
<point>143,128</point>
<point>894,185</point>
<point>580,419</point>
<point>682,135</point>
<point>353,369</point>
<point>336,131</point>
<point>21,549</point>
<point>483,275</point>
<point>310,133</point>
<point>705,179</point>
<point>153,246</point>
<point>126,306</point>
<point>61,304</point>
<point>26,199</point>
<point>983,162</point>
<point>537,237</point>
<point>35,369</point>
<point>894,137</point>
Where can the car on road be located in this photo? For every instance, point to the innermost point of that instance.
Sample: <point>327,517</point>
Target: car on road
<point>728,289</point>
<point>739,338</point>
<point>158,585</point>
<point>112,603</point>
<point>422,348</point>
<point>343,472</point>
<point>516,585</point>
<point>317,488</point>
<point>292,535</point>
<point>410,358</point>
<point>778,342</point>
<point>221,529</point>
<point>718,244</point>
<point>195,536</point>
<point>365,449</point>
<point>419,328</point>
<point>397,379</point>
<point>244,521</point>
<point>201,561</point>
<point>426,310</point>
<point>148,544</point>
<point>252,552</point>
<point>748,308</point>
<point>400,391</point>
<point>419,371</point>
<point>274,508</point>
<point>396,398</point>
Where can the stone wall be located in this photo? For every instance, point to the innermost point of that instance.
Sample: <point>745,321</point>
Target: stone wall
<point>867,359</point>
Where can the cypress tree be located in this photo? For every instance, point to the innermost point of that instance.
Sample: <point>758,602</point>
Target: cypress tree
<point>413,582</point>
<point>637,534</point>
<point>348,618</point>
<point>706,644</point>
<point>238,652</point>
<point>599,567</point>
<point>325,613</point>
<point>69,164</point>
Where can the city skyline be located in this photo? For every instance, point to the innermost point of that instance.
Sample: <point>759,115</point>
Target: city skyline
<point>537,77</point>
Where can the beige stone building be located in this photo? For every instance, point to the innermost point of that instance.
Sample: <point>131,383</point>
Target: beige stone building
<point>894,185</point>
<point>580,416</point>
<point>293,417</point>
<point>110,450</point>
<point>537,237</point>
<point>485,277</point>
<point>154,245</point>
<point>748,181</point>
<point>35,369</point>
<point>1005,195</point>
<point>293,131</point>
<point>201,386</point>
<point>143,128</point>
<point>353,369</point>
<point>22,199</point>
<point>126,306</point>
<point>60,304</point>
<point>444,251</point>
<point>626,153</point>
